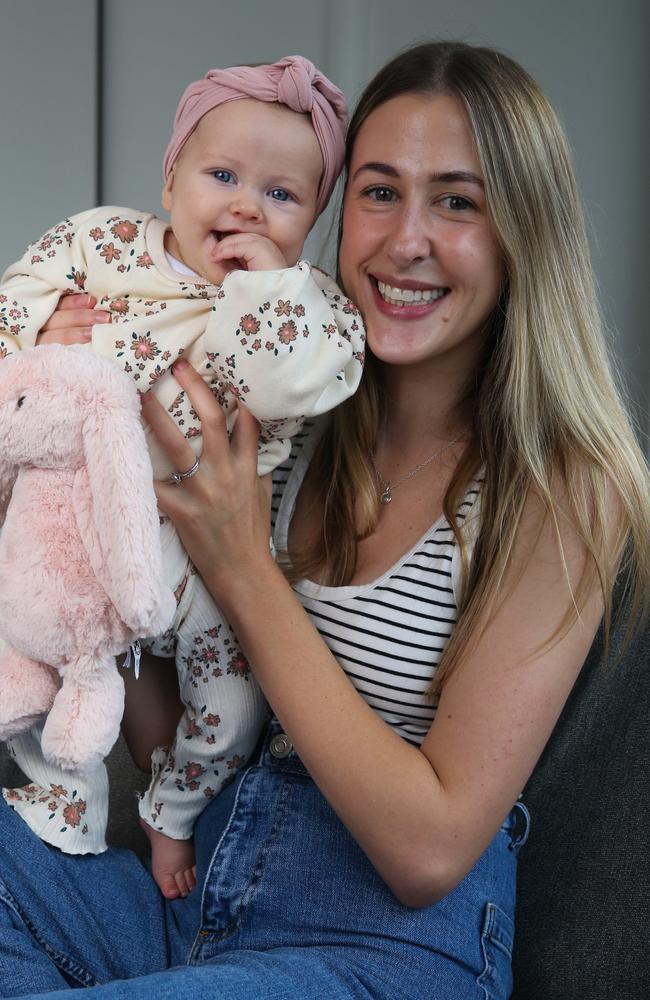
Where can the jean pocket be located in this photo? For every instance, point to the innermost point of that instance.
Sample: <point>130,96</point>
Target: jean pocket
<point>497,939</point>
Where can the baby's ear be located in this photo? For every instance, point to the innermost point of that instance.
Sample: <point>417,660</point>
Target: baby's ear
<point>166,197</point>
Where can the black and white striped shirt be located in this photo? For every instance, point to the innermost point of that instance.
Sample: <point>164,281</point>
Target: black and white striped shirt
<point>388,635</point>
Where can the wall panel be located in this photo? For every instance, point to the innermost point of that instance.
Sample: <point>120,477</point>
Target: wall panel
<point>48,116</point>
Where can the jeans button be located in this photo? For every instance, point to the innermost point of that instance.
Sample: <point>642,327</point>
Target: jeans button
<point>280,746</point>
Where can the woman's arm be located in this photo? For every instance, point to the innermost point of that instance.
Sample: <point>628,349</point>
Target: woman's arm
<point>422,816</point>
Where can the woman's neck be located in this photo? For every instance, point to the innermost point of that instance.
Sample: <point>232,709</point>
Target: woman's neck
<point>423,407</point>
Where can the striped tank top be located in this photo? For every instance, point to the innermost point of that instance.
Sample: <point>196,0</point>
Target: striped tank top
<point>387,635</point>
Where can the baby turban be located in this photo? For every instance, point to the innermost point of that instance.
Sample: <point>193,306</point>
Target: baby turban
<point>293,81</point>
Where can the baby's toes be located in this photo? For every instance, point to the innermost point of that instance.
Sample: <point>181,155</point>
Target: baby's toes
<point>182,883</point>
<point>167,884</point>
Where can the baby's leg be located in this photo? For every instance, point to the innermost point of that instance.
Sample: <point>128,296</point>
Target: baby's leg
<point>63,808</point>
<point>172,863</point>
<point>152,706</point>
<point>224,713</point>
<point>152,711</point>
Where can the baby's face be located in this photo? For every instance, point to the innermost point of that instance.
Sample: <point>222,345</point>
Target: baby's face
<point>249,167</point>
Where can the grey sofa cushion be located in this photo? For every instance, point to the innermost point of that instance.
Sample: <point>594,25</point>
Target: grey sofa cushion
<point>584,876</point>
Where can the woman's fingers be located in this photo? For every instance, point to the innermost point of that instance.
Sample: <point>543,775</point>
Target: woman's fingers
<point>169,437</point>
<point>217,449</point>
<point>216,446</point>
<point>220,512</point>
<point>201,397</point>
<point>78,300</point>
<point>245,435</point>
<point>74,335</point>
<point>72,321</point>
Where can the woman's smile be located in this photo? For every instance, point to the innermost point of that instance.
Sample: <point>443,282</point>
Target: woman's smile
<point>406,299</point>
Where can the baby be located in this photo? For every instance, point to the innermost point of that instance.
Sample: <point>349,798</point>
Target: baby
<point>253,158</point>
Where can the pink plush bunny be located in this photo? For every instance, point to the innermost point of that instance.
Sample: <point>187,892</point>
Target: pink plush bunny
<point>80,561</point>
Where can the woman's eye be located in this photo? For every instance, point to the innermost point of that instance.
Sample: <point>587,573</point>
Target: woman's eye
<point>279,194</point>
<point>380,193</point>
<point>457,203</point>
<point>225,176</point>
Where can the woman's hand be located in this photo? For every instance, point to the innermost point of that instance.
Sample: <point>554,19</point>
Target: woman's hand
<point>73,320</point>
<point>222,513</point>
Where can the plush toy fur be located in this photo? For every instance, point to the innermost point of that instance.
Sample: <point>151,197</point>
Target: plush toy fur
<point>80,561</point>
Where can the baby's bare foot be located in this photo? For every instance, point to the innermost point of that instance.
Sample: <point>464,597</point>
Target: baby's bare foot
<point>172,863</point>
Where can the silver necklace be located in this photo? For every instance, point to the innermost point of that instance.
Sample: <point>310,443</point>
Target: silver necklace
<point>386,488</point>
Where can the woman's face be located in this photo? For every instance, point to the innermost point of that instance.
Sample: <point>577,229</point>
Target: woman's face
<point>418,253</point>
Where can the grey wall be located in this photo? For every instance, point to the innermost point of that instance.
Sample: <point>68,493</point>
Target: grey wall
<point>588,56</point>
<point>48,115</point>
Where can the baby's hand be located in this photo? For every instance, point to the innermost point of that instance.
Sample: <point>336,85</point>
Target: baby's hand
<point>172,863</point>
<point>72,320</point>
<point>249,252</point>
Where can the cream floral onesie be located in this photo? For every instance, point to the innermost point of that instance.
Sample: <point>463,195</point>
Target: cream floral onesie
<point>289,345</point>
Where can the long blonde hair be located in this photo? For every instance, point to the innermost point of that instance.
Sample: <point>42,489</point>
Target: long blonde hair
<point>546,402</point>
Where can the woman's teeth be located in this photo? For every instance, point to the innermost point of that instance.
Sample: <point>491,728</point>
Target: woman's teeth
<point>408,296</point>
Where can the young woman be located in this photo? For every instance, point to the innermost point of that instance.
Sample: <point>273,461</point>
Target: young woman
<point>452,536</point>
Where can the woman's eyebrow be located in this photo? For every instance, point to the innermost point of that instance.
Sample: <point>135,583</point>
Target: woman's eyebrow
<point>455,176</point>
<point>444,177</point>
<point>376,168</point>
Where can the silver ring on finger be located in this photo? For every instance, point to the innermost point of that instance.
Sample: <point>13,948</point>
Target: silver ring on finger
<point>177,477</point>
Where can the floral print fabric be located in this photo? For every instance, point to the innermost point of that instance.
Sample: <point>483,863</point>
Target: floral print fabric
<point>64,809</point>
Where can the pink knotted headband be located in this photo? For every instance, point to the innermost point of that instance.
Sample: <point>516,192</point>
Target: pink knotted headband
<point>293,81</point>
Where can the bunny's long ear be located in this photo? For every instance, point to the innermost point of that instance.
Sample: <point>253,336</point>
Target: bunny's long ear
<point>8,475</point>
<point>116,511</point>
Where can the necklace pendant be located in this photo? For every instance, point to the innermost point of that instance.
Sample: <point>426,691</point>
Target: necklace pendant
<point>386,496</point>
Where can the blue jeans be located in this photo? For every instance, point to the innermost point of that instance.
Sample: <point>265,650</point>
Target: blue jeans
<point>289,908</point>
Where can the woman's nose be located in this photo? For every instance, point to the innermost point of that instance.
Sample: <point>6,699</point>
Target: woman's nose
<point>409,239</point>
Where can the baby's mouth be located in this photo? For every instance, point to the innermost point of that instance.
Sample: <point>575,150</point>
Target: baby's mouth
<point>233,263</point>
<point>220,234</point>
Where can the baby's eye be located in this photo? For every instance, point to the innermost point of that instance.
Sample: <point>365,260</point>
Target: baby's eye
<point>225,176</point>
<point>279,194</point>
<point>20,401</point>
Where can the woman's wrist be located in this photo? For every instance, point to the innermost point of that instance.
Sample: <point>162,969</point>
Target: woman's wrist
<point>239,588</point>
